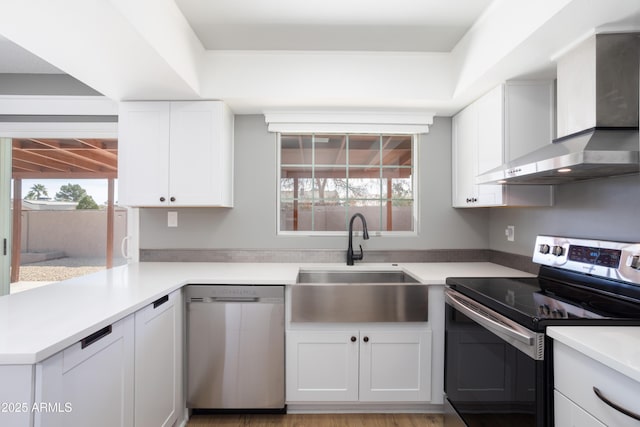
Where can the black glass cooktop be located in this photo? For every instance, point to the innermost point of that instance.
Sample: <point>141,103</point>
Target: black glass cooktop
<point>538,302</point>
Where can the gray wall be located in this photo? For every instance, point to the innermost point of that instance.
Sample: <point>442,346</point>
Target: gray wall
<point>607,208</point>
<point>251,223</point>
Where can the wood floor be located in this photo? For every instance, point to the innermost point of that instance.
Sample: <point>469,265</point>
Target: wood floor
<point>318,420</point>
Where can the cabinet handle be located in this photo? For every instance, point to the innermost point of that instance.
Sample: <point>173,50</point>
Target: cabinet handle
<point>157,303</point>
<point>173,199</point>
<point>354,339</point>
<point>94,337</point>
<point>162,199</point>
<point>615,406</point>
<point>365,339</point>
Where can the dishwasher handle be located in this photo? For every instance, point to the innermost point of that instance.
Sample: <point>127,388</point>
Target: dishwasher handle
<point>246,294</point>
<point>235,299</point>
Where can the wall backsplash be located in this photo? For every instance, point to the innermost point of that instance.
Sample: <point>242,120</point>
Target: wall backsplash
<point>604,208</point>
<point>519,262</point>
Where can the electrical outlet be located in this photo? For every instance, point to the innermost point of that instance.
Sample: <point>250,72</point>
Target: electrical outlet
<point>172,219</point>
<point>510,232</point>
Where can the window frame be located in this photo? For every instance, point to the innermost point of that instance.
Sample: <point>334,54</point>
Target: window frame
<point>309,233</point>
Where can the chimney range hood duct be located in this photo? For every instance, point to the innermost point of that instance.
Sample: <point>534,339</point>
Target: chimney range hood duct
<point>597,118</point>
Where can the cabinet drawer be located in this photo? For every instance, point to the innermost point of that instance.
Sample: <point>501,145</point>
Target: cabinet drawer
<point>576,375</point>
<point>568,414</point>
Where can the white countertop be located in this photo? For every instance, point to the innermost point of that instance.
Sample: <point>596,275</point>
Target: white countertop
<point>38,323</point>
<point>617,347</point>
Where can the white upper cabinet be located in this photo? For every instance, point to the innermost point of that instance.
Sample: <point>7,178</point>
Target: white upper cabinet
<point>175,154</point>
<point>511,120</point>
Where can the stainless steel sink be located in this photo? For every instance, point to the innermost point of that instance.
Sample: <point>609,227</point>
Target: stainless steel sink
<point>358,296</point>
<point>354,276</point>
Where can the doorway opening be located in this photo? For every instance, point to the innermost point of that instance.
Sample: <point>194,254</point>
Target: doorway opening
<point>65,221</point>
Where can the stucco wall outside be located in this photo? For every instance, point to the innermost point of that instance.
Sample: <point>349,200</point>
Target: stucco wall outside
<point>78,233</point>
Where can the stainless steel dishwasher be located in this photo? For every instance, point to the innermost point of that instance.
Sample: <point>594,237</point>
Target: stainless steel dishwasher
<point>235,347</point>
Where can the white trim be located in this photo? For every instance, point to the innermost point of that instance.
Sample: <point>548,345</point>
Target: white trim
<point>59,129</point>
<point>405,122</point>
<point>5,215</point>
<point>57,105</point>
<point>347,128</point>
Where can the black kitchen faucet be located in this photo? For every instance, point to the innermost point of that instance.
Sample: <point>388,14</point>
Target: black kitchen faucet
<point>365,235</point>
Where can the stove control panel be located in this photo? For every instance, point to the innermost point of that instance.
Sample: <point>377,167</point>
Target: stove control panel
<point>616,260</point>
<point>551,308</point>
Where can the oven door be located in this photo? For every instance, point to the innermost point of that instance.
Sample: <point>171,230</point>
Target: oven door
<point>494,369</point>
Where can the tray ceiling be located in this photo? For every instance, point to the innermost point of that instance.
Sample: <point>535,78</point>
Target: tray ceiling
<point>355,25</point>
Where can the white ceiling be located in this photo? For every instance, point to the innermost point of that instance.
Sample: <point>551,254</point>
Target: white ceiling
<point>260,55</point>
<point>321,25</point>
<point>335,25</point>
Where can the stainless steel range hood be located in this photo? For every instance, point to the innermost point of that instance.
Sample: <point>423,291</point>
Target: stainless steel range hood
<point>597,118</point>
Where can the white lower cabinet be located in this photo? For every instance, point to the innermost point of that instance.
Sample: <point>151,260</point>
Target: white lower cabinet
<point>128,373</point>
<point>579,379</point>
<point>16,395</point>
<point>322,366</point>
<point>89,383</point>
<point>365,365</point>
<point>395,366</point>
<point>158,362</point>
<point>568,414</point>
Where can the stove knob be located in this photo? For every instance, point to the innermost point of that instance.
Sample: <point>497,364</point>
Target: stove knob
<point>558,314</point>
<point>544,310</point>
<point>557,250</point>
<point>544,248</point>
<point>635,262</point>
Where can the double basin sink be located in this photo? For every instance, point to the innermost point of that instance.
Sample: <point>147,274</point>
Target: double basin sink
<point>343,296</point>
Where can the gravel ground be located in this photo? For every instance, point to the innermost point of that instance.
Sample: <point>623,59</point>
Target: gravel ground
<point>61,269</point>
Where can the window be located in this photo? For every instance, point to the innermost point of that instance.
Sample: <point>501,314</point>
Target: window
<point>326,178</point>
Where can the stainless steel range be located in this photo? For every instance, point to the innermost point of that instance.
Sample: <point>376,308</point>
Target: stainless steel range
<point>498,369</point>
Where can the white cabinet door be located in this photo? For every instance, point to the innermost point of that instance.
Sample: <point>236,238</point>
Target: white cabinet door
<point>529,117</point>
<point>200,154</point>
<point>16,395</point>
<point>91,382</point>
<point>568,414</point>
<point>510,120</point>
<point>175,154</point>
<point>464,135</point>
<point>143,153</point>
<point>395,366</point>
<point>322,366</point>
<point>158,361</point>
<point>490,110</point>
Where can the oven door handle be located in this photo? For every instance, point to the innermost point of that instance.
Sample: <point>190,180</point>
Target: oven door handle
<point>494,322</point>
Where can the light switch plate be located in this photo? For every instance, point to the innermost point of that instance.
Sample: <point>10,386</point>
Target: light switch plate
<point>172,219</point>
<point>510,232</point>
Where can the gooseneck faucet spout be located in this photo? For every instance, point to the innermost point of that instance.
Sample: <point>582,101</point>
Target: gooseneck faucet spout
<point>365,235</point>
